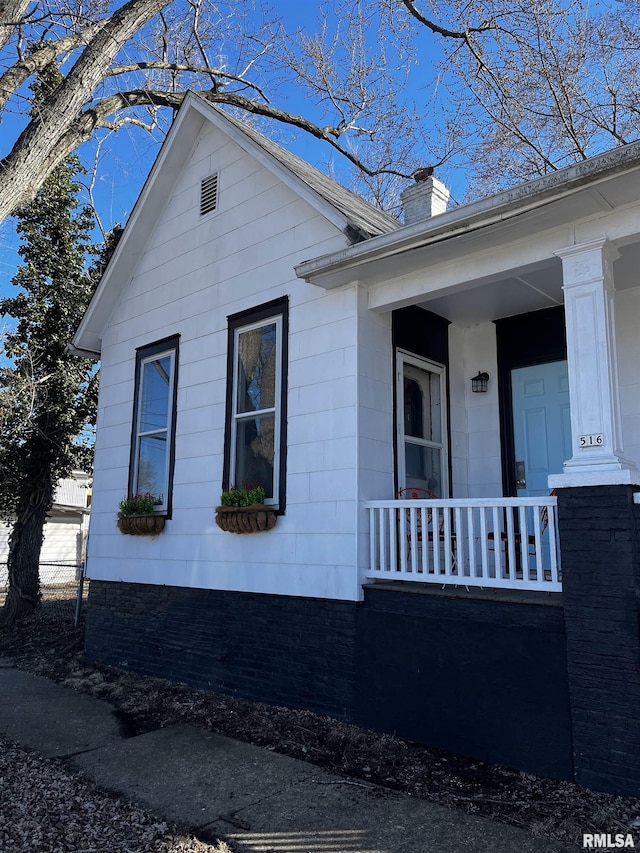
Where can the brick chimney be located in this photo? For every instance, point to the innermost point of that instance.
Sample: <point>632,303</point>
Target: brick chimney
<point>426,198</point>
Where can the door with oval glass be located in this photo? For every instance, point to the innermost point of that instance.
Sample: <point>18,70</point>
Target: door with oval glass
<point>421,425</point>
<point>541,425</point>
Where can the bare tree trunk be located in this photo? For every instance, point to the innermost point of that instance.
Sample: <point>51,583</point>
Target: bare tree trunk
<point>38,149</point>
<point>25,544</point>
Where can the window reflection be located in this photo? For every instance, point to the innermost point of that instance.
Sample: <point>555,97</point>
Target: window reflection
<point>155,395</point>
<point>256,413</point>
<point>257,369</point>
<point>421,443</point>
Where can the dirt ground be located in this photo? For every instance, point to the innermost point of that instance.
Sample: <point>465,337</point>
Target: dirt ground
<point>49,645</point>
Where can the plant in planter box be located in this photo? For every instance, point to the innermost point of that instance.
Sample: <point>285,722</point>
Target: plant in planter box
<point>242,510</point>
<point>243,496</point>
<point>137,515</point>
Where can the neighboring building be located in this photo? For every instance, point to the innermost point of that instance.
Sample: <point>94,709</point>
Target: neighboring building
<point>260,323</point>
<point>65,533</point>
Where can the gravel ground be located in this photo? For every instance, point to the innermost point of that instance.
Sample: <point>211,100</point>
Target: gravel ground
<point>45,809</point>
<point>49,646</point>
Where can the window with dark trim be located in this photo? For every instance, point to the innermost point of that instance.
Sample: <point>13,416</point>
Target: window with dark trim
<point>255,434</point>
<point>154,422</point>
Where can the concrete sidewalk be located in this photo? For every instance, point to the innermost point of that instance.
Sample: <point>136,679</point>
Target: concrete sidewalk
<point>261,802</point>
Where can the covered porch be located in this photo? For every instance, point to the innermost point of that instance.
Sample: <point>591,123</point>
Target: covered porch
<point>546,306</point>
<point>475,473</point>
<point>538,287</point>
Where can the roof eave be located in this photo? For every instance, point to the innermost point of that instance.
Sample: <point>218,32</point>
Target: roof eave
<point>336,268</point>
<point>88,337</point>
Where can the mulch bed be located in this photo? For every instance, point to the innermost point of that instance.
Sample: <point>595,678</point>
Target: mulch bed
<point>48,646</point>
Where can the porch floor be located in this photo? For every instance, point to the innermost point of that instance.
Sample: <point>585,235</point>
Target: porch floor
<point>518,596</point>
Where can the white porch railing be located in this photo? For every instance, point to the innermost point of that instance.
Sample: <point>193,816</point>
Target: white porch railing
<point>508,543</point>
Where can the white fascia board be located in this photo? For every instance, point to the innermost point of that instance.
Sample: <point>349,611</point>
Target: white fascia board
<point>335,269</point>
<point>452,271</point>
<point>454,275</point>
<point>144,216</point>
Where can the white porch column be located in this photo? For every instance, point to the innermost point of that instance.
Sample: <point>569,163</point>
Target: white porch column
<point>596,427</point>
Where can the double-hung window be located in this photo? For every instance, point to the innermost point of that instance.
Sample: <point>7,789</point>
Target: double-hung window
<point>256,399</point>
<point>152,445</point>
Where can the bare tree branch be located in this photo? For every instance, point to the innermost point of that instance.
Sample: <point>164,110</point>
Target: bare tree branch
<point>11,14</point>
<point>351,90</point>
<point>539,83</point>
<point>34,154</point>
<point>439,30</point>
<point>509,88</point>
<point>96,116</point>
<point>17,74</point>
<point>217,75</point>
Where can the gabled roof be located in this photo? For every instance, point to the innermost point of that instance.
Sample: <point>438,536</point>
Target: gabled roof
<point>354,216</point>
<point>363,217</point>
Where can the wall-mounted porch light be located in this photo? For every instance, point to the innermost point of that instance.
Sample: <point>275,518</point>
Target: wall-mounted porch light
<point>480,383</point>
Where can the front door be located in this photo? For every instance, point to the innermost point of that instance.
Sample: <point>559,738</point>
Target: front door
<point>421,422</point>
<point>541,425</point>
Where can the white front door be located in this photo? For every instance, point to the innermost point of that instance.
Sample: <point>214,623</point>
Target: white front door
<point>541,425</point>
<point>421,425</point>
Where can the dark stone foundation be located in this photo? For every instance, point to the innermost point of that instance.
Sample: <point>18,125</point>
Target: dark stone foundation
<point>480,677</point>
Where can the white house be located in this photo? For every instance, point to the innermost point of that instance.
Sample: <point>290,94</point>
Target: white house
<point>65,533</point>
<point>445,418</point>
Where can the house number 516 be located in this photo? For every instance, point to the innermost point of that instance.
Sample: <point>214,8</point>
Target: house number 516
<point>594,440</point>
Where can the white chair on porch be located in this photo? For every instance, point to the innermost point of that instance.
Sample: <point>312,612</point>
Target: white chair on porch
<point>416,493</point>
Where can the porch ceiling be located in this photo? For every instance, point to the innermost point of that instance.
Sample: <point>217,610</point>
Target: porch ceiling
<point>528,288</point>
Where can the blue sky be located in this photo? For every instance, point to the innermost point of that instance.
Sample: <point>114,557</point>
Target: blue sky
<point>127,156</point>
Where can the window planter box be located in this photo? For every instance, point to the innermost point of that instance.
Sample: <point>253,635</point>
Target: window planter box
<point>245,519</point>
<point>141,525</point>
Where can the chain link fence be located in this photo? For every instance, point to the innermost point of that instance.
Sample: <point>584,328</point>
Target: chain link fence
<point>62,585</point>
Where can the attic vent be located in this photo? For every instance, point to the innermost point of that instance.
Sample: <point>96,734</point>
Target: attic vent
<point>209,194</point>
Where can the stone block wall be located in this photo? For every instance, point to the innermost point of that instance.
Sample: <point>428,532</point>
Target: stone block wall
<point>476,674</point>
<point>481,677</point>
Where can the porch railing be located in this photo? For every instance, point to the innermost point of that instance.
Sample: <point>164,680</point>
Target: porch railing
<point>507,543</point>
